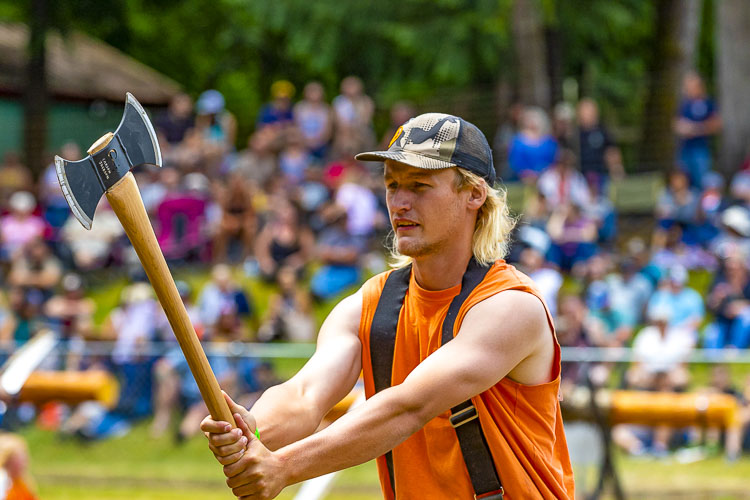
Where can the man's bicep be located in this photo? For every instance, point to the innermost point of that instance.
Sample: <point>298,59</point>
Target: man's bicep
<point>334,368</point>
<point>495,337</point>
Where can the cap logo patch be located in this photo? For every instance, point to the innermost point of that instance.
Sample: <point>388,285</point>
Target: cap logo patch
<point>395,136</point>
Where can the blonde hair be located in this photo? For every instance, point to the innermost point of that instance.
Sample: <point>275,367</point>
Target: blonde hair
<point>491,239</point>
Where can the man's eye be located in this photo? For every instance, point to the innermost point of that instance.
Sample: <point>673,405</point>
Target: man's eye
<point>421,185</point>
<point>391,186</point>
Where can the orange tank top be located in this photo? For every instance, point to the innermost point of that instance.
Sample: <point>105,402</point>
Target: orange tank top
<point>522,424</point>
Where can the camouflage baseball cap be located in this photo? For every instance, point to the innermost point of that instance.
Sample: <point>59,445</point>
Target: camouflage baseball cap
<point>436,140</point>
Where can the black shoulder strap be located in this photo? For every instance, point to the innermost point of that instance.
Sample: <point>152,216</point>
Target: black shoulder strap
<point>464,417</point>
<point>383,337</point>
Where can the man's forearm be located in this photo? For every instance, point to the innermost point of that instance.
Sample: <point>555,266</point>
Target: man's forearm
<point>284,416</point>
<point>358,436</point>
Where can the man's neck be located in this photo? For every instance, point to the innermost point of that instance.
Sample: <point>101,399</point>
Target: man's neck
<point>440,271</point>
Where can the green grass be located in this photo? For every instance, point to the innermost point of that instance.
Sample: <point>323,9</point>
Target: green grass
<point>139,467</point>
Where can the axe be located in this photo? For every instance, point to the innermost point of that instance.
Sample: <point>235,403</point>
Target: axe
<point>106,170</point>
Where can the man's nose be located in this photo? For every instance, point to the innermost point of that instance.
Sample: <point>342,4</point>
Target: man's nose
<point>401,200</point>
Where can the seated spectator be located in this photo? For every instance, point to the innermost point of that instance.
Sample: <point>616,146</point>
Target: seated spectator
<point>360,203</point>
<point>605,325</point>
<point>278,112</point>
<point>573,236</point>
<point>20,226</point>
<point>697,121</point>
<point>176,120</point>
<point>92,249</point>
<point>257,163</point>
<point>729,301</point>
<point>71,313</point>
<point>677,205</point>
<point>734,234</point>
<point>685,304</point>
<point>600,156</point>
<point>283,242</point>
<point>222,293</point>
<point>677,252</point>
<point>629,290</point>
<point>352,114</point>
<point>294,159</point>
<point>24,308</point>
<point>14,177</point>
<point>660,351</point>
<point>216,129</point>
<point>289,315</point>
<point>339,254</point>
<point>562,183</point>
<point>238,221</point>
<point>572,331</point>
<point>35,268</point>
<point>547,279</point>
<point>314,119</point>
<point>533,149</point>
<point>705,227</point>
<point>55,208</point>
<point>182,232</point>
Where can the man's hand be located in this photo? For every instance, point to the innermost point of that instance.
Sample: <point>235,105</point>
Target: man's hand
<point>258,474</point>
<point>227,444</point>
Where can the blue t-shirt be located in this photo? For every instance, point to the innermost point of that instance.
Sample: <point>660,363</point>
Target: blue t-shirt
<point>685,305</point>
<point>697,110</point>
<point>531,156</point>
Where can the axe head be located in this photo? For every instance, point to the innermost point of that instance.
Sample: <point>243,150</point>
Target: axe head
<point>134,143</point>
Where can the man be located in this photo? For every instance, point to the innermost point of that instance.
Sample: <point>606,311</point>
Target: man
<point>599,155</point>
<point>497,383</point>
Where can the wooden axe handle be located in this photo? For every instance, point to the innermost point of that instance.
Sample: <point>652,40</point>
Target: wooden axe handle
<point>126,201</point>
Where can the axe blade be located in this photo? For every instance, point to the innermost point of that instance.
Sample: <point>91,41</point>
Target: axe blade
<point>134,143</point>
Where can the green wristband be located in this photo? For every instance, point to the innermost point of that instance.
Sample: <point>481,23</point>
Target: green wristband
<point>257,433</point>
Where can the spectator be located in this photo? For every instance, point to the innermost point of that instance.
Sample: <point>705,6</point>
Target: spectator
<point>238,220</point>
<point>532,149</point>
<point>283,242</point>
<point>14,176</point>
<point>132,324</point>
<point>401,112</point>
<point>219,294</point>
<point>660,351</point>
<point>278,113</point>
<point>314,119</point>
<point>174,123</point>
<point>339,254</point>
<point>289,316</point>
<point>35,268</point>
<point>257,163</point>
<point>573,236</point>
<point>572,331</point>
<point>564,125</point>
<point>25,318</point>
<point>20,226</point>
<point>677,204</point>
<point>295,159</point>
<point>217,129</point>
<point>55,208</point>
<point>562,183</point>
<point>697,122</point>
<point>182,228</point>
<point>353,111</point>
<point>506,132</point>
<point>71,313</point>
<point>94,248</point>
<point>547,279</point>
<point>360,203</point>
<point>684,303</point>
<point>600,156</point>
<point>734,235</point>
<point>729,301</point>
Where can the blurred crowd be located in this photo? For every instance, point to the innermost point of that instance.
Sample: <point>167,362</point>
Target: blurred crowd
<point>294,210</point>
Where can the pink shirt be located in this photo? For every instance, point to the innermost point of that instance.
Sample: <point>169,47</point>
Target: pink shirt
<point>15,232</point>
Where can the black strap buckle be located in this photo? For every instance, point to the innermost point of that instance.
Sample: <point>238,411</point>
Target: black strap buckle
<point>466,415</point>
<point>495,495</point>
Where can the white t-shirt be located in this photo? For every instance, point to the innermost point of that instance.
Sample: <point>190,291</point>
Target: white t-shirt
<point>662,353</point>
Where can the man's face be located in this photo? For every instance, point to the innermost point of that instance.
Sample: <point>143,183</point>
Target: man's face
<point>425,209</point>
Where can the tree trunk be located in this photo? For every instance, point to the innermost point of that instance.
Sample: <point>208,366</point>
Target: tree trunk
<point>35,96</point>
<point>658,146</point>
<point>689,31</point>
<point>530,47</point>
<point>733,32</point>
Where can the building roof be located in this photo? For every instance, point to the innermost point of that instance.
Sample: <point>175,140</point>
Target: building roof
<point>81,67</point>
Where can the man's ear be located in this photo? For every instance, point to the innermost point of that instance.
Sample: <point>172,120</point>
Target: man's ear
<point>477,196</point>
